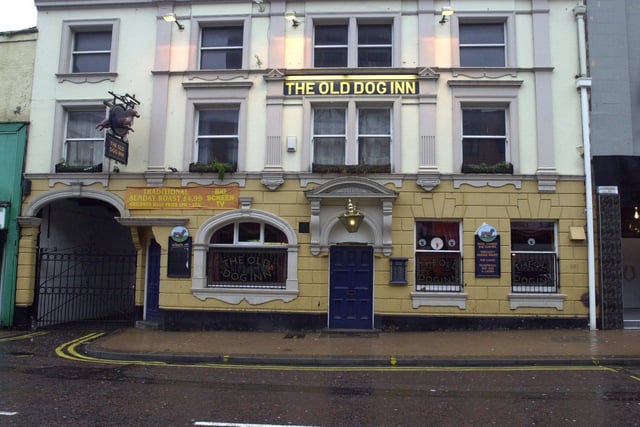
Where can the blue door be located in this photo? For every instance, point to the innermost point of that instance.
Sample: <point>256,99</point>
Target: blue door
<point>351,287</point>
<point>153,283</point>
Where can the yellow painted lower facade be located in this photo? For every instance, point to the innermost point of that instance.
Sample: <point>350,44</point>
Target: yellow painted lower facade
<point>451,200</point>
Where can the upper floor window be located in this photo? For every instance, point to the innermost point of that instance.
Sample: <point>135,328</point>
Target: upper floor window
<point>91,51</point>
<point>438,256</point>
<point>534,260</point>
<point>217,136</point>
<point>221,47</point>
<point>484,136</point>
<point>368,146</point>
<point>369,45</point>
<point>482,44</point>
<point>83,143</point>
<point>88,47</point>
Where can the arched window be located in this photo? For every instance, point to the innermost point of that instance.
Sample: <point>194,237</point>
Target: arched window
<point>246,255</point>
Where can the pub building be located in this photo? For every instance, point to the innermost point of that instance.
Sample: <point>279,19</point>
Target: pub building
<point>307,165</point>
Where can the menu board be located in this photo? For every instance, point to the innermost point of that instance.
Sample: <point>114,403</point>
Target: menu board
<point>488,257</point>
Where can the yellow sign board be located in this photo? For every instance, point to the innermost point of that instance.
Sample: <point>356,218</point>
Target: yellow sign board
<point>351,85</point>
<point>182,197</point>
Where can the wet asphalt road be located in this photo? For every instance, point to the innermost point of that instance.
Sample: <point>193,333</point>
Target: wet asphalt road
<point>40,388</point>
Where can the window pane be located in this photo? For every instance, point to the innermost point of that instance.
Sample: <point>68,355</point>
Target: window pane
<point>329,151</point>
<point>218,122</point>
<point>374,121</point>
<point>240,268</point>
<point>483,122</point>
<point>84,153</point>
<point>221,59</point>
<point>489,151</point>
<point>222,36</point>
<point>92,41</point>
<point>249,232</point>
<point>532,236</point>
<point>485,56</point>
<point>438,272</point>
<point>329,121</point>
<point>534,272</point>
<point>374,150</point>
<point>330,46</point>
<point>448,232</point>
<point>330,57</point>
<point>273,235</point>
<point>82,124</point>
<point>374,34</point>
<point>374,57</point>
<point>223,235</point>
<point>331,35</point>
<point>91,63</point>
<point>224,150</point>
<point>482,33</point>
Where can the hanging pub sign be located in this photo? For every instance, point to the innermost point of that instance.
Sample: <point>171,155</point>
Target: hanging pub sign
<point>487,245</point>
<point>118,123</point>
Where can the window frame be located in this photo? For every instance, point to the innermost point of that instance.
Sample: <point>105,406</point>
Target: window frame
<point>253,296</point>
<point>196,41</point>
<point>353,46</point>
<point>508,19</point>
<point>555,267</point>
<point>352,147</point>
<point>479,45</point>
<point>421,246</point>
<point>66,61</point>
<point>490,95</point>
<point>504,136</point>
<point>221,107</point>
<point>227,48</point>
<point>58,145</point>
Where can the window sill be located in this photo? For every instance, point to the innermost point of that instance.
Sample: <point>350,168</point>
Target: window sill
<point>251,296</point>
<point>63,168</point>
<point>86,77</point>
<point>537,300</point>
<point>439,299</point>
<point>351,169</point>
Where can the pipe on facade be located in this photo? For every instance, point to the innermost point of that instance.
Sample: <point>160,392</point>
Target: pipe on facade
<point>583,83</point>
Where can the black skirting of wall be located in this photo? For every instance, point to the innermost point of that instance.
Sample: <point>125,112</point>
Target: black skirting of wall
<point>22,317</point>
<point>176,320</point>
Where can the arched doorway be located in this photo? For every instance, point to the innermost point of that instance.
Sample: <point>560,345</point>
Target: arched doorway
<point>86,264</point>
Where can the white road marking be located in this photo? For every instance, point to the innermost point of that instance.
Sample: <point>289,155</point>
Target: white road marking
<point>219,424</point>
<point>9,414</point>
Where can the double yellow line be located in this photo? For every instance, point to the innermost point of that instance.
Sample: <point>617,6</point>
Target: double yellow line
<point>22,336</point>
<point>70,351</point>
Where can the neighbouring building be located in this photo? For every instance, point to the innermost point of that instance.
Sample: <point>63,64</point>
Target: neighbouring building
<point>397,164</point>
<point>17,55</point>
<point>615,110</point>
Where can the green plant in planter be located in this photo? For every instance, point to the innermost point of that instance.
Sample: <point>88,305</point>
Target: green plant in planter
<point>502,167</point>
<point>214,166</point>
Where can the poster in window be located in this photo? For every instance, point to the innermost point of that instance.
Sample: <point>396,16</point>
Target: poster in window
<point>179,258</point>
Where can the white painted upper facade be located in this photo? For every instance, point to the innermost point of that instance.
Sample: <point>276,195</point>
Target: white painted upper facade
<point>158,62</point>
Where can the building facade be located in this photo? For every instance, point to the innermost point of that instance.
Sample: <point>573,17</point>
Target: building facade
<point>17,55</point>
<point>614,67</point>
<point>306,165</point>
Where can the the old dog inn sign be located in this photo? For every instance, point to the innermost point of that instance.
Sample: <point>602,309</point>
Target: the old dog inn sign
<point>119,122</point>
<point>351,85</point>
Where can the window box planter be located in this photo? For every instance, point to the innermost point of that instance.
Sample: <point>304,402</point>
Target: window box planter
<point>213,167</point>
<point>351,169</point>
<point>503,167</point>
<point>63,167</point>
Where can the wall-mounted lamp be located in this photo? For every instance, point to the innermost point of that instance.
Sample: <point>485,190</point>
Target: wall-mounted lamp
<point>636,215</point>
<point>445,11</point>
<point>351,219</point>
<point>171,17</point>
<point>291,16</point>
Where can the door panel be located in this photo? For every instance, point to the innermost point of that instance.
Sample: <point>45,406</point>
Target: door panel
<point>351,287</point>
<point>153,283</point>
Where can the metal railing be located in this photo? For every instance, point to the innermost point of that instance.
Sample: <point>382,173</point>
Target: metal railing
<point>535,273</point>
<point>247,268</point>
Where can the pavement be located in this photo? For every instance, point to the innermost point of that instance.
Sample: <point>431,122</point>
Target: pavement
<point>373,348</point>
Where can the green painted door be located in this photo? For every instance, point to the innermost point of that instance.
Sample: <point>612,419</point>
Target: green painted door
<point>13,140</point>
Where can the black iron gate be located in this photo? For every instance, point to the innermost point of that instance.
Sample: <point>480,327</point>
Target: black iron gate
<point>72,287</point>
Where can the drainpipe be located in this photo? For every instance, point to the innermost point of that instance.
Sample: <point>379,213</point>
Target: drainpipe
<point>583,83</point>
